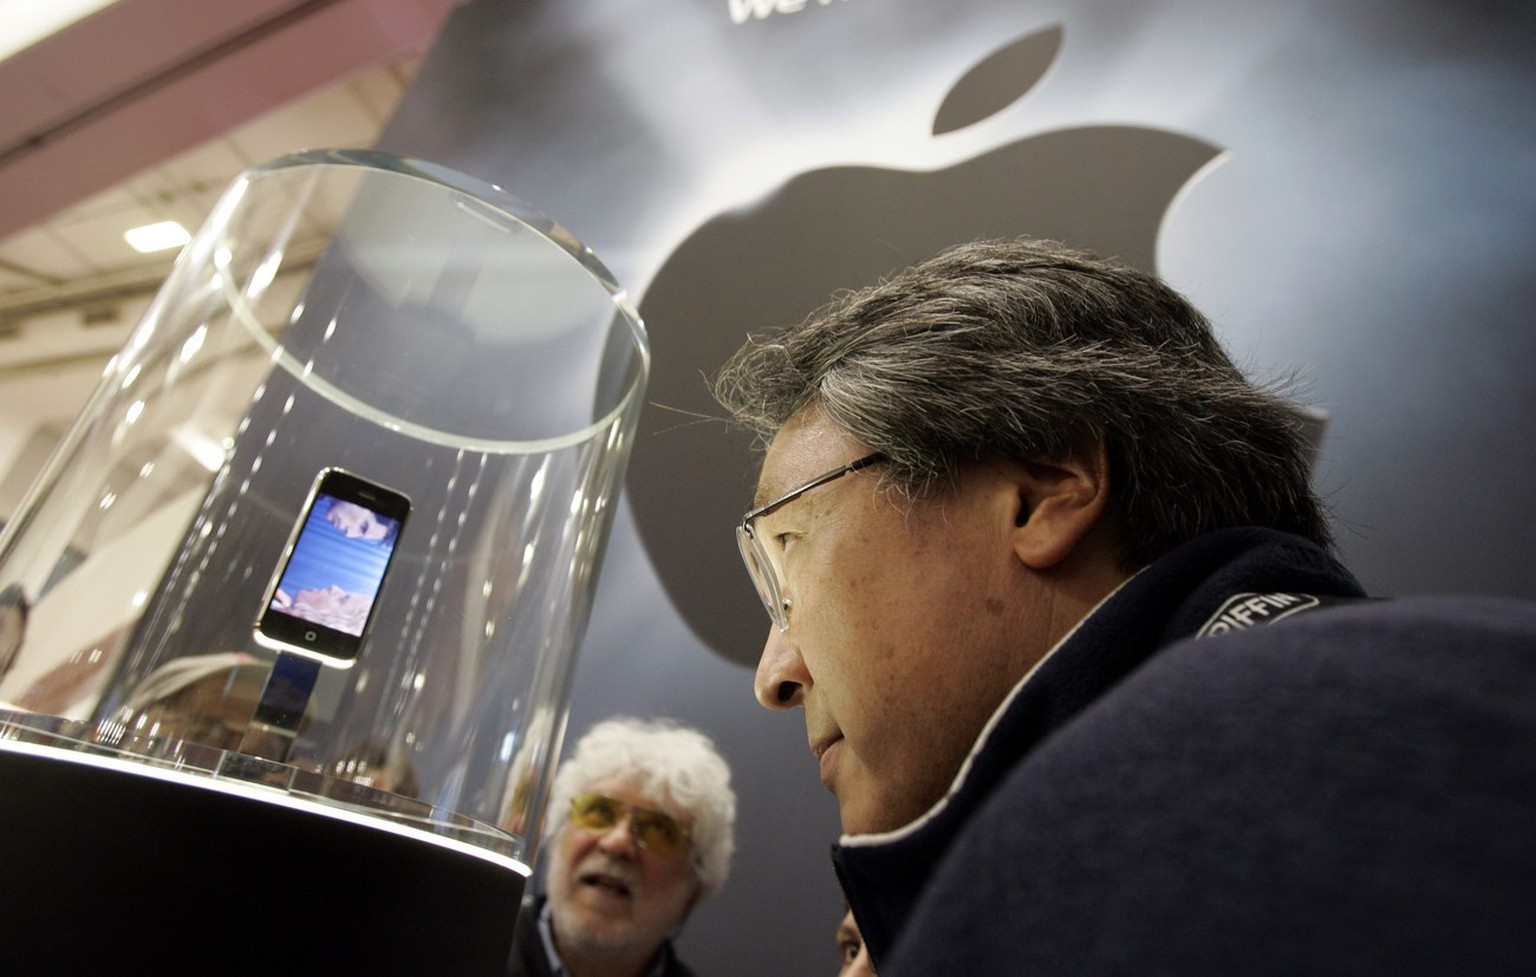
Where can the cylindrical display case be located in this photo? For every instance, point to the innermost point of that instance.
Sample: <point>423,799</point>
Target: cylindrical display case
<point>319,551</point>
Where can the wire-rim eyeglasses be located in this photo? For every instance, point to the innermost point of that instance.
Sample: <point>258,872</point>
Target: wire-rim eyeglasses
<point>754,554</point>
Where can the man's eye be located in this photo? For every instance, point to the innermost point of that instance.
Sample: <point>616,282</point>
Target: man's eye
<point>776,544</point>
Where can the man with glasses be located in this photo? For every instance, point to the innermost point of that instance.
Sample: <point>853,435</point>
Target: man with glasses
<point>640,827</point>
<point>1047,578</point>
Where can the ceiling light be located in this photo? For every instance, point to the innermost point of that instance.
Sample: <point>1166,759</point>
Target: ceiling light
<point>29,21</point>
<point>156,237</point>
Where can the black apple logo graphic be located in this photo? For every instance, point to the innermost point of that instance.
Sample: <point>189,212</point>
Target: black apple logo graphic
<point>1101,187</point>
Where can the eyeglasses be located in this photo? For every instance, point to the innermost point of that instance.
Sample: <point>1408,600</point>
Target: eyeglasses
<point>760,565</point>
<point>652,830</point>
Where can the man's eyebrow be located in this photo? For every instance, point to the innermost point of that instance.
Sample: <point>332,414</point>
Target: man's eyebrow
<point>776,488</point>
<point>768,489</point>
<point>766,493</point>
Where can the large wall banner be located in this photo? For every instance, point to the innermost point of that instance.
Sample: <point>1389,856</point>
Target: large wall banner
<point>1343,187</point>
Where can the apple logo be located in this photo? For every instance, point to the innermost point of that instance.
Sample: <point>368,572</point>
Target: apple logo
<point>690,477</point>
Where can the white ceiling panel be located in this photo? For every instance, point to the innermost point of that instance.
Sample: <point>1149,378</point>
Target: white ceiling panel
<point>99,239</point>
<point>328,119</point>
<point>43,257</point>
<point>194,171</point>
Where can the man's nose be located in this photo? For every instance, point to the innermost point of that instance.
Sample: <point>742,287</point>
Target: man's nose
<point>781,678</point>
<point>620,837</point>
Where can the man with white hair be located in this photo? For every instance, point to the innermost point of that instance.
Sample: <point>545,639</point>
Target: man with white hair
<point>640,827</point>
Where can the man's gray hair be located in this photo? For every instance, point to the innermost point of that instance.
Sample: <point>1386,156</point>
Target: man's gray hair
<point>675,764</point>
<point>1024,349</point>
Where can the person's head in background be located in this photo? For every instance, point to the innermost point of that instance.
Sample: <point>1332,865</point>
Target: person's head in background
<point>852,955</point>
<point>641,826</point>
<point>203,699</point>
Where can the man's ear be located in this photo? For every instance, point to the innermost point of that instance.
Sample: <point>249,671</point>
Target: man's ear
<point>1059,500</point>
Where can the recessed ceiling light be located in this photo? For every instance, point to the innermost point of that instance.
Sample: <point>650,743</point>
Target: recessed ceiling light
<point>156,237</point>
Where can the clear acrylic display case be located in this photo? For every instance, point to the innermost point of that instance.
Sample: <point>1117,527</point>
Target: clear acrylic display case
<point>438,340</point>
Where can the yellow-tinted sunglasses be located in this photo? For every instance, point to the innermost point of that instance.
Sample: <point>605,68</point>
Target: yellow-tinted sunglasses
<point>652,830</point>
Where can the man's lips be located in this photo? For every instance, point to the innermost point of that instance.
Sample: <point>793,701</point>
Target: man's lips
<point>607,883</point>
<point>821,745</point>
<point>826,751</point>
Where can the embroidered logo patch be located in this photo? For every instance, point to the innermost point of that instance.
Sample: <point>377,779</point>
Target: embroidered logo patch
<point>1246,610</point>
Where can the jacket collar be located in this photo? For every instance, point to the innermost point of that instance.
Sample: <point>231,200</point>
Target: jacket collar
<point>1174,598</point>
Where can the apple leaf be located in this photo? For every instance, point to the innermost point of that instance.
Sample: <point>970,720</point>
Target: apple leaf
<point>998,80</point>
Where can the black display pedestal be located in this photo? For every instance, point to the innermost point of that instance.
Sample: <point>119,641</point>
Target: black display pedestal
<point>106,869</point>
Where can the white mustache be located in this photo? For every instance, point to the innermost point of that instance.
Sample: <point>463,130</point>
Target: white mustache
<point>621,872</point>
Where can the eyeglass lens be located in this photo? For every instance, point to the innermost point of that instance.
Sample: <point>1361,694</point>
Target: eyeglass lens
<point>764,574</point>
<point>764,577</point>
<point>652,830</point>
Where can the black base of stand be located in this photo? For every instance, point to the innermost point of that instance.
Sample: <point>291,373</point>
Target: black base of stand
<point>109,870</point>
